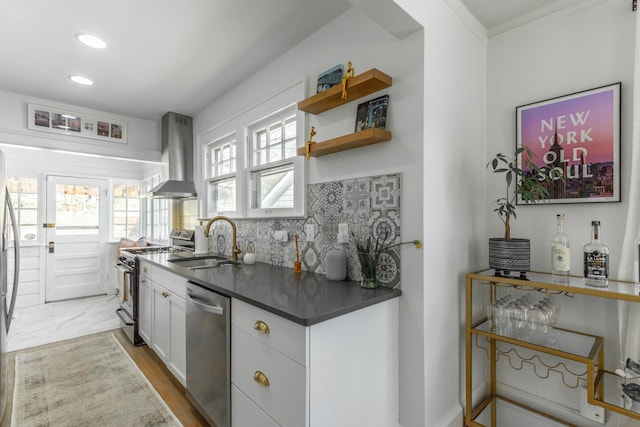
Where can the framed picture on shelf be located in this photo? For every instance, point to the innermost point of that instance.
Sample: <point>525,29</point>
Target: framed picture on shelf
<point>372,114</point>
<point>330,78</point>
<point>56,120</point>
<point>578,137</point>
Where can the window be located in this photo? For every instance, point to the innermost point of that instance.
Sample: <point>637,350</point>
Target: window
<point>24,198</point>
<point>126,211</point>
<point>273,149</point>
<point>252,169</point>
<point>222,175</point>
<point>188,214</point>
<point>157,214</point>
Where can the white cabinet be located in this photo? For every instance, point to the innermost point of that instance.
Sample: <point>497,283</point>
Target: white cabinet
<point>162,316</point>
<point>340,372</point>
<point>144,308</point>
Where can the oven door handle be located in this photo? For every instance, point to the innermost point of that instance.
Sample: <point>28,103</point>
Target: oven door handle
<point>124,269</point>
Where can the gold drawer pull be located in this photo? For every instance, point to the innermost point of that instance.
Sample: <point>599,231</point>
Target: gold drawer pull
<point>144,269</point>
<point>261,327</point>
<point>261,379</point>
<point>165,294</point>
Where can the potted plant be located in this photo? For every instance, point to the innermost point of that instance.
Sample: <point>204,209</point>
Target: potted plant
<point>508,254</point>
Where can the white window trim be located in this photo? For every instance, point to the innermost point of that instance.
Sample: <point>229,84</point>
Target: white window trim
<point>238,176</point>
<point>239,123</point>
<point>112,183</point>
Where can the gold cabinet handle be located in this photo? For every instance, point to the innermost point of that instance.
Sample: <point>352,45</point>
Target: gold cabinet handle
<point>165,294</point>
<point>144,269</point>
<point>261,327</point>
<point>261,379</point>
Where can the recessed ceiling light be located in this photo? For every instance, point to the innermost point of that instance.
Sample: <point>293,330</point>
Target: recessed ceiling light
<point>81,80</point>
<point>91,41</point>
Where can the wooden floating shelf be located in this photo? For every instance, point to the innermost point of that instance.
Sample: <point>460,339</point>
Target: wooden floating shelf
<point>347,142</point>
<point>358,86</point>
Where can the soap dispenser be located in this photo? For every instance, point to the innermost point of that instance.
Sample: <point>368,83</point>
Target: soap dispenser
<point>249,257</point>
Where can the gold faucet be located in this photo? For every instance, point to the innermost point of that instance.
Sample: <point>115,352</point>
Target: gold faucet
<point>234,250</point>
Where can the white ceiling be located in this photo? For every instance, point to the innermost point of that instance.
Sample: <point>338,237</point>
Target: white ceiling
<point>168,55</point>
<point>161,55</point>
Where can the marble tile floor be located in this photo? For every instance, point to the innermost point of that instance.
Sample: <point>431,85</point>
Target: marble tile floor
<point>56,321</point>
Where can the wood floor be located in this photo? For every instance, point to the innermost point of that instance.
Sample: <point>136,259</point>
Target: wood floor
<point>156,372</point>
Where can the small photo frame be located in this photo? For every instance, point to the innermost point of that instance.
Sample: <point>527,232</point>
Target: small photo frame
<point>372,114</point>
<point>578,137</point>
<point>55,120</point>
<point>330,78</point>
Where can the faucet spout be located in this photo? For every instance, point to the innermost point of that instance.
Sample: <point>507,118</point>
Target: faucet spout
<point>234,250</point>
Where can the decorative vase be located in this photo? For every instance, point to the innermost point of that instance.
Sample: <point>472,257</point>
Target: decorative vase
<point>510,255</point>
<point>368,265</point>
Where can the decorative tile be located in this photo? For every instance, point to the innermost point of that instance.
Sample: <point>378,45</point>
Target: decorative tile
<point>385,191</point>
<point>357,199</point>
<point>369,205</point>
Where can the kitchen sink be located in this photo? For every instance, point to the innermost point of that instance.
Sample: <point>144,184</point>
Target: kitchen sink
<point>211,261</point>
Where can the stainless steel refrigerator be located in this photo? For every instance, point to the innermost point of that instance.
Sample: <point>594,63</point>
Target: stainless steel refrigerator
<point>9,285</point>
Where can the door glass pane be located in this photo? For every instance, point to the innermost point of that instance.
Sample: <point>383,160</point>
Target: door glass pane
<point>77,209</point>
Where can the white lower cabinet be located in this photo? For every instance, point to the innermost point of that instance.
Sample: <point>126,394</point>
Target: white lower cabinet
<point>340,372</point>
<point>162,317</point>
<point>246,413</point>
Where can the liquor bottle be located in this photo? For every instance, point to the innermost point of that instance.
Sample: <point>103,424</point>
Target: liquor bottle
<point>560,254</point>
<point>596,259</point>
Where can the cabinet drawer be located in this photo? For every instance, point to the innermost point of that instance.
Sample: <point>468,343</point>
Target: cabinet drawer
<point>245,413</point>
<point>284,335</point>
<point>172,282</point>
<point>285,398</point>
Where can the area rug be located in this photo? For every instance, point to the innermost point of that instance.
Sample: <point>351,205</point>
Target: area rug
<point>90,381</point>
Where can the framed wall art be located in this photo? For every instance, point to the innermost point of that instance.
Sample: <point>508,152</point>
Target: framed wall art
<point>578,137</point>
<point>55,120</point>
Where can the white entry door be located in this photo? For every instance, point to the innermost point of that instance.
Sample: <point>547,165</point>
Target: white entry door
<point>77,228</point>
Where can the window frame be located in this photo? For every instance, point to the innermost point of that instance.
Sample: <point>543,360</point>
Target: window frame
<point>299,169</point>
<point>40,210</point>
<point>149,213</point>
<point>141,213</point>
<point>211,179</point>
<point>239,123</point>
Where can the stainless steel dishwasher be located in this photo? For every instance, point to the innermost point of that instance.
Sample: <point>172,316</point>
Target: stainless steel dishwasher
<point>209,354</point>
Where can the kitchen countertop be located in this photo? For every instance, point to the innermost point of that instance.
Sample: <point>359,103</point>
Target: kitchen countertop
<point>307,299</point>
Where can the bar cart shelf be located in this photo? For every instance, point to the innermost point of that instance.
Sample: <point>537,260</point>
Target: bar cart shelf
<point>570,345</point>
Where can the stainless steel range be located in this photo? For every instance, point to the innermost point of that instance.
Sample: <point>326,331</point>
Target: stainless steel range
<point>128,267</point>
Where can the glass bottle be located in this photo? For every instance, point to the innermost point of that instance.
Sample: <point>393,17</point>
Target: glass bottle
<point>560,254</point>
<point>596,259</point>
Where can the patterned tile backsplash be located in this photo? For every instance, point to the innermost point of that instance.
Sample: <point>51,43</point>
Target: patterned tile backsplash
<point>370,206</point>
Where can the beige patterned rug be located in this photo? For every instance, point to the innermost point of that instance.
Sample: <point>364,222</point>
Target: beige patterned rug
<point>90,381</point>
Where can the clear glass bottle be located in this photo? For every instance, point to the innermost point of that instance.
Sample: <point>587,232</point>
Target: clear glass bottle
<point>560,254</point>
<point>596,259</point>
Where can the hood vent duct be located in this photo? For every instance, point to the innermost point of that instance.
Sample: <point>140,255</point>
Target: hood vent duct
<point>177,154</point>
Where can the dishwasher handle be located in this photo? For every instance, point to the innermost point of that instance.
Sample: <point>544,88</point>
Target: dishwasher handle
<point>213,309</point>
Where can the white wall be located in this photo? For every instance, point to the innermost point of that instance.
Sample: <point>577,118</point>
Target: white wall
<point>143,136</point>
<point>454,217</point>
<point>355,37</point>
<point>574,50</point>
<point>562,54</point>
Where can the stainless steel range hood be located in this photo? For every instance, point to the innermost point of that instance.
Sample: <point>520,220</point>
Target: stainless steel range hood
<point>177,154</point>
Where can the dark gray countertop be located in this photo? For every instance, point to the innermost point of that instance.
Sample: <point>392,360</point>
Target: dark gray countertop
<point>307,299</point>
